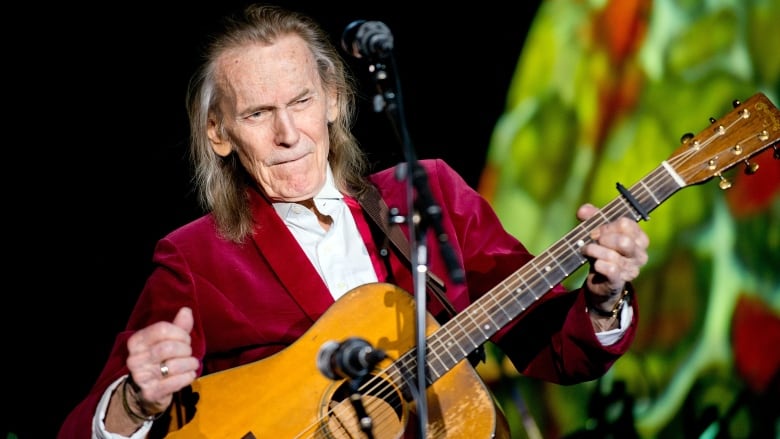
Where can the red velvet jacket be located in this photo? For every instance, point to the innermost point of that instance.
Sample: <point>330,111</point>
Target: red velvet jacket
<point>250,301</point>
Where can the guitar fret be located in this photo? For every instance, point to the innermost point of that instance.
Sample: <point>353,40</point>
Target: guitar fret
<point>575,259</point>
<point>447,346</point>
<point>399,373</point>
<point>499,302</point>
<point>449,341</point>
<point>437,362</point>
<point>647,190</point>
<point>483,328</point>
<point>542,273</point>
<point>630,209</point>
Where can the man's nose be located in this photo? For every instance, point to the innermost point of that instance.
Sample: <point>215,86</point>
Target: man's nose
<point>286,133</point>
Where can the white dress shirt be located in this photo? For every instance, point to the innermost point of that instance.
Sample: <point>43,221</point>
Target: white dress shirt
<point>339,254</point>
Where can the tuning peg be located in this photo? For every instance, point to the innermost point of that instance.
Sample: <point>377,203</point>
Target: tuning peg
<point>724,183</point>
<point>685,138</point>
<point>736,103</point>
<point>750,168</point>
<point>713,120</point>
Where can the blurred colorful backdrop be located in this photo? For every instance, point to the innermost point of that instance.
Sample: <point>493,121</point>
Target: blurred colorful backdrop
<point>602,93</point>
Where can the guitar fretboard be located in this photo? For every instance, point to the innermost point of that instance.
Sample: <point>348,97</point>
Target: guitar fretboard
<point>482,319</point>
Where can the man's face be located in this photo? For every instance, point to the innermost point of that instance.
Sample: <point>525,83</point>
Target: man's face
<point>276,116</point>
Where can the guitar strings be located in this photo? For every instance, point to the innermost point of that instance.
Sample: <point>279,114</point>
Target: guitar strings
<point>380,392</point>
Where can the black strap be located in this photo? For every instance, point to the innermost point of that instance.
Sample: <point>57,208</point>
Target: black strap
<point>379,212</point>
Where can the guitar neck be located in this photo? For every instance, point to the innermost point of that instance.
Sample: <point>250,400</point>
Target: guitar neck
<point>494,310</point>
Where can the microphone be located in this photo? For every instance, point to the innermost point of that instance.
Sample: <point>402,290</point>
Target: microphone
<point>367,38</point>
<point>352,358</point>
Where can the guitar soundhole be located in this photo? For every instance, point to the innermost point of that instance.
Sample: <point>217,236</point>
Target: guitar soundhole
<point>378,400</point>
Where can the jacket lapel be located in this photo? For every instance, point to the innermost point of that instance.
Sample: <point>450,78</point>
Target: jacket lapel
<point>287,260</point>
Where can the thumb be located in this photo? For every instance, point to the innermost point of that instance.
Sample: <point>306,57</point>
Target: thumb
<point>184,319</point>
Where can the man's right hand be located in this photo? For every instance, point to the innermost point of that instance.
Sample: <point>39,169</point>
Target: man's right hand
<point>161,363</point>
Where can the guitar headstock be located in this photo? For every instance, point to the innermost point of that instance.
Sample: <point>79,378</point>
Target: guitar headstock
<point>751,127</point>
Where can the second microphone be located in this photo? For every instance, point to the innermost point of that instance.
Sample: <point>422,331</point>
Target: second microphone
<point>353,358</point>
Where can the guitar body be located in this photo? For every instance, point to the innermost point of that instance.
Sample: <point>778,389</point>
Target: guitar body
<point>286,396</point>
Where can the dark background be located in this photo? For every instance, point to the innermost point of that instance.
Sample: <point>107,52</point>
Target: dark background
<point>96,169</point>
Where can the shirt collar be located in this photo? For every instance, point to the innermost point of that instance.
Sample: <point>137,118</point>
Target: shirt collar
<point>328,192</point>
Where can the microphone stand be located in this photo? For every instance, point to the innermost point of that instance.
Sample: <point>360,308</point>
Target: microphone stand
<point>422,212</point>
<point>364,419</point>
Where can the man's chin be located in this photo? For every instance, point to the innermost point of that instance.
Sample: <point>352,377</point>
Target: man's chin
<point>294,196</point>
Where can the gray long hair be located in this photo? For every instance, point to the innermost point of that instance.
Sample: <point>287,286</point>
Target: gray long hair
<point>222,182</point>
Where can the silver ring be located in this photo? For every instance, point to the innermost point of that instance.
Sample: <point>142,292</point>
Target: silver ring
<point>164,369</point>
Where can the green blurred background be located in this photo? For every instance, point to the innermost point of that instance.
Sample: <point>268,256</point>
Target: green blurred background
<point>602,93</point>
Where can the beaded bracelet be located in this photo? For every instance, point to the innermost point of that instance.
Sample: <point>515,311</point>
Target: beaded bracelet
<point>615,309</point>
<point>143,416</point>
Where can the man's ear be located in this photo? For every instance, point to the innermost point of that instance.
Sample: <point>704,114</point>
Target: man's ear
<point>333,106</point>
<point>219,144</point>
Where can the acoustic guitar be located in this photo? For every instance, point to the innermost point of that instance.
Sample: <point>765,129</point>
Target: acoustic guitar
<point>287,396</point>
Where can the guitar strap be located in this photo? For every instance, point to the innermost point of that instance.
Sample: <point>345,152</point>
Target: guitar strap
<point>377,209</point>
<point>379,212</point>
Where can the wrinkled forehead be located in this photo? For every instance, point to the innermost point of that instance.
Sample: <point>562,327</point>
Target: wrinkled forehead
<point>274,72</point>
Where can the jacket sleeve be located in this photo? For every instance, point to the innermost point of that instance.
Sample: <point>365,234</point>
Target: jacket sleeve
<point>167,289</point>
<point>553,339</point>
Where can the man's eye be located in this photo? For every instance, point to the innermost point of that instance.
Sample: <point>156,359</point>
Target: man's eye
<point>256,115</point>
